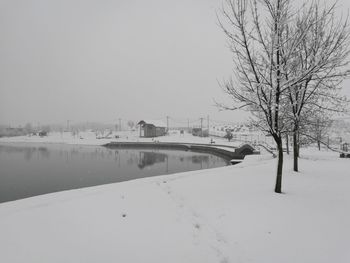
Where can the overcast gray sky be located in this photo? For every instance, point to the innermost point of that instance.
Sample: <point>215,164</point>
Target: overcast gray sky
<point>100,60</point>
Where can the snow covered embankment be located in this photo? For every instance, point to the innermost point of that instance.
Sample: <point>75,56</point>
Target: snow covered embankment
<point>227,214</point>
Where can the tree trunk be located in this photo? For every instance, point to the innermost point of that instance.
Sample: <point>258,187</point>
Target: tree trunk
<point>298,143</point>
<point>318,131</point>
<point>287,143</point>
<point>278,186</point>
<point>295,151</point>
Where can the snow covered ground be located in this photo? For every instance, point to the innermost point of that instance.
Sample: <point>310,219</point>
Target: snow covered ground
<point>228,214</point>
<point>89,138</point>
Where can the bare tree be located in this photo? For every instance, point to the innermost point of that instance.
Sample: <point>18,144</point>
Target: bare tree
<point>320,129</point>
<point>131,124</point>
<point>288,62</point>
<point>322,54</point>
<point>259,84</point>
<point>28,128</point>
<point>315,127</point>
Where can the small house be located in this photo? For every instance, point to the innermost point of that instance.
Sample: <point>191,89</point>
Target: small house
<point>150,128</point>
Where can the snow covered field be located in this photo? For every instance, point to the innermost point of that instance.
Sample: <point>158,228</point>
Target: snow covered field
<point>89,138</point>
<point>228,214</point>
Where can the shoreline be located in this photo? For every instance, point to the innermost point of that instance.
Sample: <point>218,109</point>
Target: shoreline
<point>226,152</point>
<point>230,151</point>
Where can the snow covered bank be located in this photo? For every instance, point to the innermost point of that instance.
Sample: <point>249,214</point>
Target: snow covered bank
<point>227,214</point>
<point>89,138</point>
<point>85,138</point>
<point>220,146</point>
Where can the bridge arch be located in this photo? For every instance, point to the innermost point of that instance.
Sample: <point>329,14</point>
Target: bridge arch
<point>245,149</point>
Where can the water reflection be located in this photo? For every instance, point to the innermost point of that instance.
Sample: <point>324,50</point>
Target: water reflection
<point>30,169</point>
<point>150,158</point>
<point>28,152</point>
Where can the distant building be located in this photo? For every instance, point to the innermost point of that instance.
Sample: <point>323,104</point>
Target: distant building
<point>42,133</point>
<point>200,132</point>
<point>151,128</point>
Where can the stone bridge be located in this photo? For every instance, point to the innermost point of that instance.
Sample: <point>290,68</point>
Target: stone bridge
<point>227,152</point>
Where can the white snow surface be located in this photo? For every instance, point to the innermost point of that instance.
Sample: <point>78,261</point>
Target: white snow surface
<point>89,138</point>
<point>228,214</point>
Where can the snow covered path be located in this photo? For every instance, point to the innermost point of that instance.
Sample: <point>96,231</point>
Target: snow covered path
<point>220,215</point>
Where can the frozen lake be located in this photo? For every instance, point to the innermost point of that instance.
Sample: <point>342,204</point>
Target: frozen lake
<point>33,169</point>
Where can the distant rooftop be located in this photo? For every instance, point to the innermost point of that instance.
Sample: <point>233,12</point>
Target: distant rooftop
<point>156,123</point>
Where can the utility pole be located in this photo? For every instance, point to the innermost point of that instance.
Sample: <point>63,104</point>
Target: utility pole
<point>201,127</point>
<point>208,124</point>
<point>167,123</point>
<point>67,125</point>
<point>188,125</point>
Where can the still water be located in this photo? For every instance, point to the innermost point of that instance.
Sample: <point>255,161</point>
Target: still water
<point>33,169</point>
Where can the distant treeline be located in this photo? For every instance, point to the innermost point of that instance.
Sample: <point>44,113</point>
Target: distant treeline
<point>6,131</point>
<point>10,132</point>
